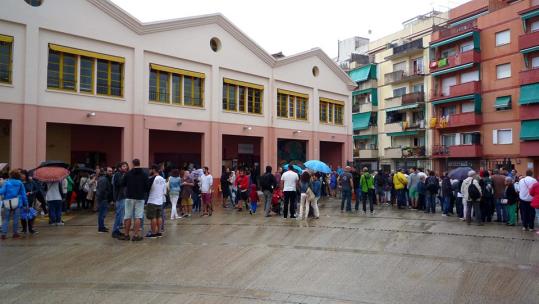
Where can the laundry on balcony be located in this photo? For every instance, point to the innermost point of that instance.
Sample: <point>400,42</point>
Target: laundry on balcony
<point>442,62</point>
<point>433,64</point>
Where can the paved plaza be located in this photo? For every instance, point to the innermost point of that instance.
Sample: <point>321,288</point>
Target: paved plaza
<point>392,257</point>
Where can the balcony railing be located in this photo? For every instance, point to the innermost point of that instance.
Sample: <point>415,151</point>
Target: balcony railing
<point>406,152</point>
<point>528,40</point>
<point>468,88</point>
<point>372,130</point>
<point>415,97</point>
<point>407,48</point>
<point>447,32</point>
<point>368,153</point>
<point>463,58</point>
<point>475,150</point>
<point>369,84</point>
<point>457,120</point>
<point>403,76</point>
<point>530,148</point>
<point>529,76</point>
<point>393,152</point>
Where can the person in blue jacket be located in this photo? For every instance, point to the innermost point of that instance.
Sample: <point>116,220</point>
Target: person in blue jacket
<point>13,196</point>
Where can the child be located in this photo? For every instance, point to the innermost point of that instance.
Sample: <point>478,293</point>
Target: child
<point>253,198</point>
<point>196,196</point>
<point>276,200</point>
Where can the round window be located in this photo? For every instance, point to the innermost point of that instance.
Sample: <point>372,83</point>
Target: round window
<point>315,71</point>
<point>215,44</point>
<point>34,2</point>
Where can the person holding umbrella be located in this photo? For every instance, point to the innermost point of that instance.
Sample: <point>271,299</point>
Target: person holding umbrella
<point>14,197</point>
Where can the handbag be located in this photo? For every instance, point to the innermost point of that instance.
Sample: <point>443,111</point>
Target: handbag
<point>12,203</point>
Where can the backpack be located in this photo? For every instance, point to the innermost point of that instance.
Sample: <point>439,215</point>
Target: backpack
<point>265,181</point>
<point>380,180</point>
<point>473,192</point>
<point>432,184</point>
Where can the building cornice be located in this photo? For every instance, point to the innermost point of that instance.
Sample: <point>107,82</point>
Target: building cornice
<point>144,28</point>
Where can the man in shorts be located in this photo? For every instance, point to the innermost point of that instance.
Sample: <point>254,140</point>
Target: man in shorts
<point>135,183</point>
<point>156,197</point>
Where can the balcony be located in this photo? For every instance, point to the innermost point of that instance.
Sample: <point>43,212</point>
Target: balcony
<point>362,107</point>
<point>457,121</point>
<point>369,84</point>
<point>529,77</point>
<point>411,98</point>
<point>371,130</point>
<point>367,154</point>
<point>393,152</point>
<point>413,152</point>
<point>528,40</point>
<point>529,112</point>
<point>403,76</point>
<point>463,89</point>
<point>465,58</point>
<point>462,151</point>
<point>529,148</point>
<point>447,32</point>
<point>406,49</point>
<point>393,127</point>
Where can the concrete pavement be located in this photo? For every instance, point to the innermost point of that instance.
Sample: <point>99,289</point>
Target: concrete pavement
<point>392,257</point>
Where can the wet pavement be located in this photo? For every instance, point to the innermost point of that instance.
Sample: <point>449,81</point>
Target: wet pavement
<point>391,257</point>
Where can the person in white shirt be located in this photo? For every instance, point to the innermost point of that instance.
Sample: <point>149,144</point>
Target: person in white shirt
<point>289,181</point>
<point>527,213</point>
<point>206,183</point>
<point>156,197</point>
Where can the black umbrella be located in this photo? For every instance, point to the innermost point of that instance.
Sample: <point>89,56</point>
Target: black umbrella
<point>54,163</point>
<point>83,169</point>
<point>460,173</point>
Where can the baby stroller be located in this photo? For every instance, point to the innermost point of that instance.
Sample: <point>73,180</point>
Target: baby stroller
<point>276,200</point>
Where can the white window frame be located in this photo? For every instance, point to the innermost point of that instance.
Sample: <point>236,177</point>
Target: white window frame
<point>466,47</point>
<point>496,137</point>
<point>534,27</point>
<point>470,107</point>
<point>504,74</point>
<point>503,38</point>
<point>469,76</point>
<point>535,62</point>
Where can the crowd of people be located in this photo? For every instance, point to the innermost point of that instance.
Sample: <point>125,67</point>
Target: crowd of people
<point>140,194</point>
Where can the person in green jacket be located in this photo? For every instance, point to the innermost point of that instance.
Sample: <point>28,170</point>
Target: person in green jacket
<point>69,192</point>
<point>367,189</point>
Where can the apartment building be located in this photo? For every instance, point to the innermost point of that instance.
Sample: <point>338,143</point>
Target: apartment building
<point>485,86</point>
<point>403,138</point>
<point>85,82</point>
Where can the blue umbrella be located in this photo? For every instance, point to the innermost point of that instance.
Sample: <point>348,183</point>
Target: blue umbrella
<point>460,173</point>
<point>317,166</point>
<point>294,167</point>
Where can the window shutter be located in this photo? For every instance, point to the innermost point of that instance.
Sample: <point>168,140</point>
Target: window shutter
<point>510,136</point>
<point>495,137</point>
<point>457,139</point>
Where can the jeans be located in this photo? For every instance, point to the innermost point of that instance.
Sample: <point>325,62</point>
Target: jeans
<point>368,196</point>
<point>103,208</point>
<point>528,214</point>
<point>5,223</point>
<point>118,216</point>
<point>446,204</point>
<point>401,198</point>
<point>304,205</point>
<point>55,211</point>
<point>460,208</point>
<point>267,202</point>
<point>358,197</point>
<point>346,196</point>
<point>431,203</point>
<point>501,212</point>
<point>174,209</point>
<point>289,199</point>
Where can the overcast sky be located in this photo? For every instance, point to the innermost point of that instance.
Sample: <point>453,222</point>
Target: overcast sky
<point>293,26</point>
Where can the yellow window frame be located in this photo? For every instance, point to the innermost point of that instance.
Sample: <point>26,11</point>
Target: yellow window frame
<point>61,73</point>
<point>158,87</point>
<point>9,40</point>
<point>228,88</point>
<point>92,75</point>
<point>109,78</point>
<point>332,106</point>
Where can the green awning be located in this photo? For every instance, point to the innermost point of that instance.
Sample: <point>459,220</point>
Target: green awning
<point>451,40</point>
<point>476,98</point>
<point>364,73</point>
<point>527,16</point>
<point>372,91</point>
<point>529,130</point>
<point>361,120</point>
<point>403,133</point>
<point>502,102</point>
<point>530,50</point>
<point>405,107</point>
<point>453,69</point>
<point>364,137</point>
<point>529,94</point>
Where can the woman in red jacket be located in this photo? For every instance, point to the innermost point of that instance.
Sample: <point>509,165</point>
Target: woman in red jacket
<point>242,182</point>
<point>534,192</point>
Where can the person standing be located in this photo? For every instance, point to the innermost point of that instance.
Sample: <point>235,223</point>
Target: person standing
<point>233,189</point>
<point>174,188</point>
<point>242,184</point>
<point>527,213</point>
<point>399,183</point>
<point>289,181</point>
<point>28,213</point>
<point>14,198</point>
<point>367,190</point>
<point>136,186</point>
<point>156,197</point>
<point>225,189</point>
<point>54,197</point>
<point>317,190</point>
<point>433,186</point>
<point>304,202</point>
<point>499,184</point>
<point>510,201</point>
<point>447,195</point>
<point>103,198</point>
<point>380,185</point>
<point>347,184</point>
<point>471,192</point>
<point>356,176</point>
<point>186,194</point>
<point>488,203</point>
<point>413,180</point>
<point>253,198</point>
<point>268,183</point>
<point>534,192</point>
<point>118,195</point>
<point>206,183</point>
<point>69,193</point>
